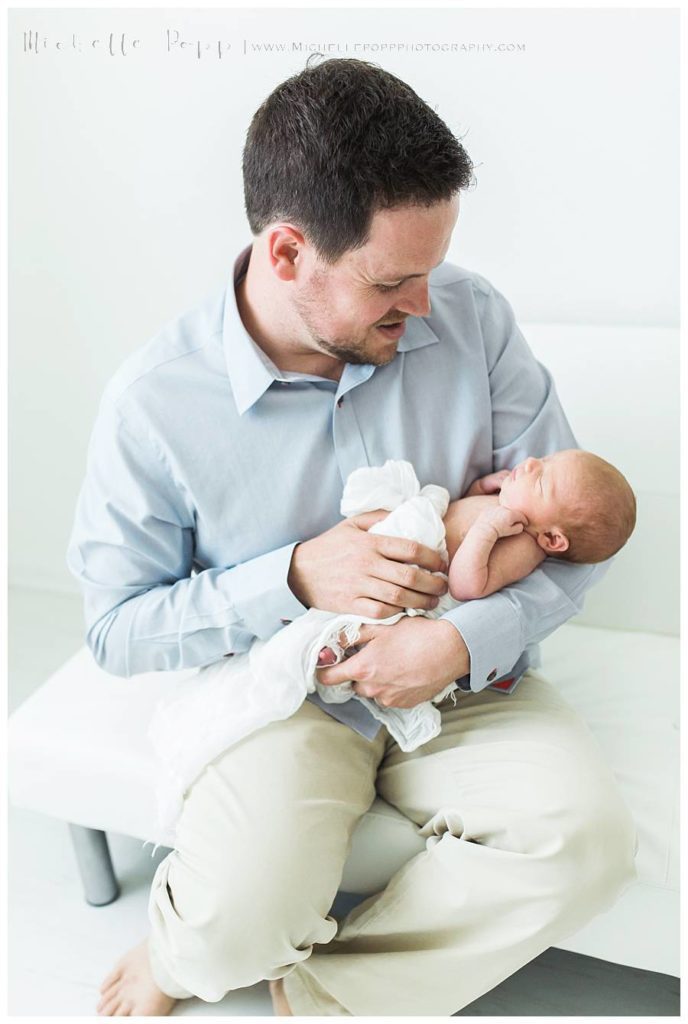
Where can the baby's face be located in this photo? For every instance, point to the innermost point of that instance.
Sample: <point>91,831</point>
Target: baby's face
<point>543,488</point>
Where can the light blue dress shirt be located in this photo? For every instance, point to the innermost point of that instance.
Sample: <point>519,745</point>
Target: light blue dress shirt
<point>207,464</point>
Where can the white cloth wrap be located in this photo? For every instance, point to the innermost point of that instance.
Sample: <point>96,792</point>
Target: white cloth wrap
<point>232,698</point>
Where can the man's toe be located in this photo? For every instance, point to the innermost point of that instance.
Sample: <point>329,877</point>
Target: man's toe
<point>107,991</point>
<point>108,1007</point>
<point>111,978</point>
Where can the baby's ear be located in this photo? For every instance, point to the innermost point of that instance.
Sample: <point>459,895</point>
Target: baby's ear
<point>553,541</point>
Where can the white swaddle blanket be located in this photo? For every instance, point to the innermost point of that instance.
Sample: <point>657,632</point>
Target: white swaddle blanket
<point>232,698</point>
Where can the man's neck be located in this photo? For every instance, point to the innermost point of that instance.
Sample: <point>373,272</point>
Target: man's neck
<point>258,316</point>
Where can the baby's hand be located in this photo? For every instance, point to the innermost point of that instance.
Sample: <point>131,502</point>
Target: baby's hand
<point>506,521</point>
<point>490,484</point>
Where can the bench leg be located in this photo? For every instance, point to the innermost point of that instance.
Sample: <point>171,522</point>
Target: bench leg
<point>95,865</point>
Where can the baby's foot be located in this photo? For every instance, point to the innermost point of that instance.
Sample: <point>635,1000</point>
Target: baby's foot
<point>327,657</point>
<point>129,990</point>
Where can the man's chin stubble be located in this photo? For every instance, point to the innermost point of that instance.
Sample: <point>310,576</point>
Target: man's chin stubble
<point>348,355</point>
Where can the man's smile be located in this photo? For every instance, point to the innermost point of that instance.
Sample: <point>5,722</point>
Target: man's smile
<point>392,330</point>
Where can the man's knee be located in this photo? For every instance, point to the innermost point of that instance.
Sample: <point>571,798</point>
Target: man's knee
<point>591,860</point>
<point>563,819</point>
<point>236,917</point>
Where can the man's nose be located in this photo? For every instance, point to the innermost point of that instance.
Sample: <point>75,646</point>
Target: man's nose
<point>415,299</point>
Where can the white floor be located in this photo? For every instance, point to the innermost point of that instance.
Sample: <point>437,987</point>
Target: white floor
<point>60,948</point>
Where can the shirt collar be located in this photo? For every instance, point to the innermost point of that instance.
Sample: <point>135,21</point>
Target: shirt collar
<point>251,371</point>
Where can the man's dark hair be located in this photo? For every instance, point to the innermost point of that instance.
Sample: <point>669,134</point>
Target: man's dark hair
<point>340,140</point>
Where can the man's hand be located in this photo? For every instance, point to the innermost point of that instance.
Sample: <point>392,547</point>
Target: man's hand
<point>349,570</point>
<point>490,484</point>
<point>403,664</point>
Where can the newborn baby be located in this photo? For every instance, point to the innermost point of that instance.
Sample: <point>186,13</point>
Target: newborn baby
<point>571,505</point>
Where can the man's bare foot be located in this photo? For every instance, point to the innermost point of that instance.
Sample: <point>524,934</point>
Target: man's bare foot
<point>279,1000</point>
<point>129,990</point>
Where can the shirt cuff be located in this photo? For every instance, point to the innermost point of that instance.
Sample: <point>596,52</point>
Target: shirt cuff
<point>259,592</point>
<point>491,630</point>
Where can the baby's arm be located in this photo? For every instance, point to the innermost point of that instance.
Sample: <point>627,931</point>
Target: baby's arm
<point>481,565</point>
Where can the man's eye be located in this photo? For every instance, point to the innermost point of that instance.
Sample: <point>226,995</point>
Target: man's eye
<point>387,287</point>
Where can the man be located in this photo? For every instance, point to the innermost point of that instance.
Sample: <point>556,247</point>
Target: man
<point>210,516</point>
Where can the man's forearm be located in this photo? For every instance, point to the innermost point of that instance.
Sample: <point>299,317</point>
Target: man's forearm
<point>527,418</point>
<point>152,632</point>
<point>498,628</point>
<point>194,621</point>
<point>458,656</point>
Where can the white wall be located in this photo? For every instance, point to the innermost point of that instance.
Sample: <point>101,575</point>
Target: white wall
<point>126,203</point>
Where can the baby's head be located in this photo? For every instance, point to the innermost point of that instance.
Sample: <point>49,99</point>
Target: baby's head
<point>578,507</point>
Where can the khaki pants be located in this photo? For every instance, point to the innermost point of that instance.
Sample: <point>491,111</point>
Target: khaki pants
<point>527,839</point>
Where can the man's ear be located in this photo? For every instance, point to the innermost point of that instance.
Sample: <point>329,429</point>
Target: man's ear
<point>553,541</point>
<point>284,245</point>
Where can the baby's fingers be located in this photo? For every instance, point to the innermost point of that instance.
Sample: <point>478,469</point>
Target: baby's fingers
<point>511,529</point>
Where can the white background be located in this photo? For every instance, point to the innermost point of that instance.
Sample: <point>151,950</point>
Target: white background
<point>126,203</point>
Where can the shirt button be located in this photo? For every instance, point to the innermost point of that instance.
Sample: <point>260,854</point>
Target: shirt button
<point>492,675</point>
<point>285,622</point>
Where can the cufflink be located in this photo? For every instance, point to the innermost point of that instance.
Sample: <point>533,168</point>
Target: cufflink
<point>285,622</point>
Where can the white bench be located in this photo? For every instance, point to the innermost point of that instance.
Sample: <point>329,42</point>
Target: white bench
<point>78,746</point>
